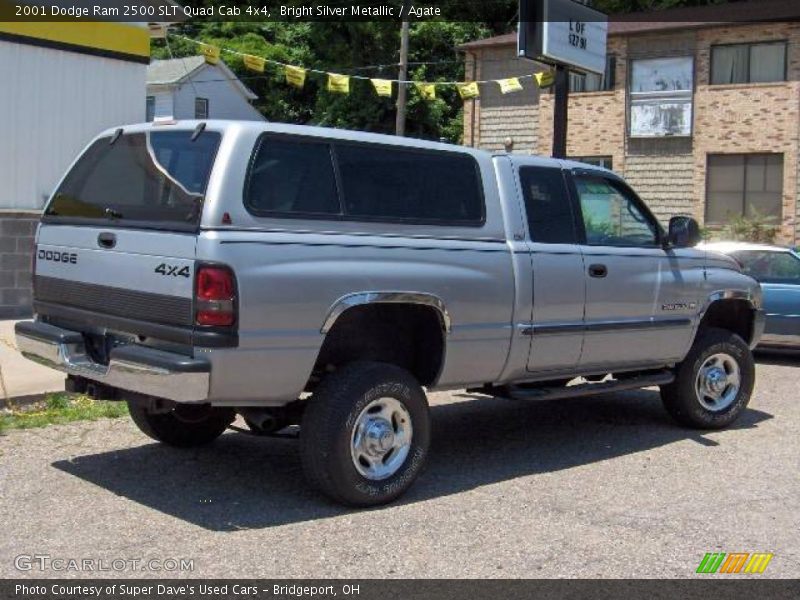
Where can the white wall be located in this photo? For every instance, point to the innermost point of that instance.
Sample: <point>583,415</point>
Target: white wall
<point>52,104</point>
<point>224,100</point>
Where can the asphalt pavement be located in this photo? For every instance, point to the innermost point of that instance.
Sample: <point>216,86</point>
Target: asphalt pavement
<point>601,487</point>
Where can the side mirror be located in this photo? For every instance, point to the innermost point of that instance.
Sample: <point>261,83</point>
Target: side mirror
<point>684,232</point>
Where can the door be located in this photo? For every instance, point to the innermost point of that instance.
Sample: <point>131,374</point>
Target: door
<point>637,308</point>
<point>559,288</point>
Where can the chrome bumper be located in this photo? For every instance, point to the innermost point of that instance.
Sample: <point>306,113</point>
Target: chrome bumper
<point>134,368</point>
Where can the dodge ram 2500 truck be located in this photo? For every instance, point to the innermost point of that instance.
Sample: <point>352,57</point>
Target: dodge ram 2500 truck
<point>328,279</point>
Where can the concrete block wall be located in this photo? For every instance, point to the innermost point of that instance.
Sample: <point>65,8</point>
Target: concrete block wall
<point>665,183</point>
<point>17,230</point>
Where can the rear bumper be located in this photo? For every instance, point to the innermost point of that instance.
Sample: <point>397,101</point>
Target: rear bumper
<point>134,368</point>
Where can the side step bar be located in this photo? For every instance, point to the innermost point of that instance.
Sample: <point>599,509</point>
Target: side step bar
<point>589,389</point>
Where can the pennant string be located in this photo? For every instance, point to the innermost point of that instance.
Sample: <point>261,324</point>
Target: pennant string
<point>466,89</point>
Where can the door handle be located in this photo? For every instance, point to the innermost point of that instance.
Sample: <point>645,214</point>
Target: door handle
<point>106,240</point>
<point>598,270</point>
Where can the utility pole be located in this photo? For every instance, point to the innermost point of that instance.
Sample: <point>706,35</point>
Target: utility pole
<point>402,89</point>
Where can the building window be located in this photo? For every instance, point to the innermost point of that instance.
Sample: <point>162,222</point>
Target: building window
<point>201,108</point>
<point>150,109</point>
<point>748,63</point>
<point>749,185</point>
<point>603,162</point>
<point>661,97</point>
<point>594,82</point>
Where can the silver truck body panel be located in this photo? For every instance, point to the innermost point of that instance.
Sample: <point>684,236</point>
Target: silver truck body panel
<point>512,310</point>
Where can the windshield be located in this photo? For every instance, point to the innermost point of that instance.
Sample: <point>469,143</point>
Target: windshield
<point>152,180</point>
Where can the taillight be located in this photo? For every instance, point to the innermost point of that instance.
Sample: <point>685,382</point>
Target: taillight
<point>215,296</point>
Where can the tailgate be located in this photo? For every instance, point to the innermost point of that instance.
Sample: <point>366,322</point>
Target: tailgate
<point>132,274</point>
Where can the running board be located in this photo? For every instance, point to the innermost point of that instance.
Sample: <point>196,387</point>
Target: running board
<point>589,389</point>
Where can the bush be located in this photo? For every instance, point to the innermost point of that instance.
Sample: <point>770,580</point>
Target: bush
<point>755,228</point>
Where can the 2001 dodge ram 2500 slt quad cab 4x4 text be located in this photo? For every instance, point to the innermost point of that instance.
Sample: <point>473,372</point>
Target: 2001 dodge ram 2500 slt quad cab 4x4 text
<point>327,279</point>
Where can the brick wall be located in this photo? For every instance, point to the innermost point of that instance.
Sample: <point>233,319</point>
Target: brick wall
<point>596,119</point>
<point>17,231</point>
<point>596,126</point>
<point>670,173</point>
<point>749,118</point>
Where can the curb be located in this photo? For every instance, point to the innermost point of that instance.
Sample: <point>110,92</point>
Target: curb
<point>23,401</point>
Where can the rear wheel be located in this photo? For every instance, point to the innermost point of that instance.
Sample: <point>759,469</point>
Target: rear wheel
<point>713,384</point>
<point>365,434</point>
<point>184,426</point>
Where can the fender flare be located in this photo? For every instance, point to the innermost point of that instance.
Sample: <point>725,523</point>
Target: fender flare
<point>755,301</point>
<point>362,298</point>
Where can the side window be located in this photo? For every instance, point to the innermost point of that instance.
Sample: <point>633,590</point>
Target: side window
<point>291,176</point>
<point>550,219</point>
<point>396,184</point>
<point>770,266</point>
<point>611,216</point>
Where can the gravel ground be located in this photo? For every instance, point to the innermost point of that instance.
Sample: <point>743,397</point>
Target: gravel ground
<point>603,487</point>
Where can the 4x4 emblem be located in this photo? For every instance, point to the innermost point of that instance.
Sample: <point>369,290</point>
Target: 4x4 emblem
<point>173,270</point>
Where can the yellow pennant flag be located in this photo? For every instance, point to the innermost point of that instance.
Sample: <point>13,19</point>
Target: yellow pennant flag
<point>426,90</point>
<point>254,63</point>
<point>468,90</point>
<point>383,87</point>
<point>295,76</point>
<point>545,79</point>
<point>510,85</point>
<point>339,84</point>
<point>211,53</point>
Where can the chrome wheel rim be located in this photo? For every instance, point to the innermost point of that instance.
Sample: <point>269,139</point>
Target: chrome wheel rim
<point>381,438</point>
<point>718,382</point>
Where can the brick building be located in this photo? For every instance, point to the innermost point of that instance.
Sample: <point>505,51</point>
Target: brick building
<point>699,111</point>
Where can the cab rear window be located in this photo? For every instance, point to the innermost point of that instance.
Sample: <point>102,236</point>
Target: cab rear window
<point>149,179</point>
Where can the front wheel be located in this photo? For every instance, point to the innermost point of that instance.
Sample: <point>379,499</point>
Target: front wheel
<point>365,434</point>
<point>185,426</point>
<point>713,384</point>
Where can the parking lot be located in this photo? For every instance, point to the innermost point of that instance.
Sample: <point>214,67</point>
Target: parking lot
<point>602,487</point>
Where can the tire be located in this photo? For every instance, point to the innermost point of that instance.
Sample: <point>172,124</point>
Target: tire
<point>185,426</point>
<point>360,398</point>
<point>690,398</point>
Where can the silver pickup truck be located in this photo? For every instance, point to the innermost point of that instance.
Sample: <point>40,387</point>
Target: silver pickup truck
<point>328,279</point>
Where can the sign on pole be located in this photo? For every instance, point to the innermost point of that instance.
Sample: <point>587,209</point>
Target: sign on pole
<point>563,32</point>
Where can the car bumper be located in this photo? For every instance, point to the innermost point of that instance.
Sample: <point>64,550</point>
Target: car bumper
<point>131,367</point>
<point>759,321</point>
